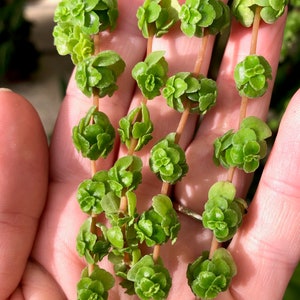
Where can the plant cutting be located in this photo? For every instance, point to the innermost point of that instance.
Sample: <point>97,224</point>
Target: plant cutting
<point>115,228</point>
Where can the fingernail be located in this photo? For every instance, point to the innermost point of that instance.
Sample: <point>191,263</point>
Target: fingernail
<point>5,90</point>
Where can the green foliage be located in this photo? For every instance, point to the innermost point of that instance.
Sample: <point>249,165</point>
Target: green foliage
<point>94,139</point>
<point>91,16</point>
<point>271,10</point>
<point>89,245</point>
<point>71,40</point>
<point>94,286</point>
<point>223,212</point>
<point>91,192</point>
<point>244,148</point>
<point>159,223</point>
<point>151,279</point>
<point>156,17</point>
<point>197,15</point>
<point>126,174</point>
<point>251,76</point>
<point>208,277</point>
<point>167,160</point>
<point>151,74</point>
<point>136,125</point>
<point>99,72</point>
<point>183,88</point>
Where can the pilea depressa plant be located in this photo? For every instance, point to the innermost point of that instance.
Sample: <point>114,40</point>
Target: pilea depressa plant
<point>125,227</point>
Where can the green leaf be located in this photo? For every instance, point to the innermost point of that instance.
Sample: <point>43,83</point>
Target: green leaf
<point>261,129</point>
<point>115,236</point>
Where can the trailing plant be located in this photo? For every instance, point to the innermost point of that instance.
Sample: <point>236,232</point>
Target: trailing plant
<point>111,193</point>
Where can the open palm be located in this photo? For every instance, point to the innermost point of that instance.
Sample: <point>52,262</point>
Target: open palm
<point>39,214</point>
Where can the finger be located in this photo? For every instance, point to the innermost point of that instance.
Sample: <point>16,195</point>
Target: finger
<point>224,116</point>
<point>267,247</point>
<point>66,163</point>
<point>23,185</point>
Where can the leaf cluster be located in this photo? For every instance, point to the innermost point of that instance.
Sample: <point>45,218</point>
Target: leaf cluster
<point>184,89</point>
<point>136,126</point>
<point>159,223</point>
<point>79,19</point>
<point>271,10</point>
<point>251,75</point>
<point>208,277</point>
<point>197,15</point>
<point>94,286</point>
<point>99,72</point>
<point>94,139</point>
<point>151,74</point>
<point>151,279</point>
<point>245,148</point>
<point>167,160</point>
<point>223,212</point>
<point>156,17</point>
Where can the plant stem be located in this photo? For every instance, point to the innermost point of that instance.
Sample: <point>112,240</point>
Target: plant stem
<point>213,246</point>
<point>201,54</point>
<point>156,251</point>
<point>93,229</point>
<point>182,123</point>
<point>255,29</point>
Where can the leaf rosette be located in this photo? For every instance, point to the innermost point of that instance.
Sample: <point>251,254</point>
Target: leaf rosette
<point>91,16</point>
<point>126,174</point>
<point>223,212</point>
<point>197,15</point>
<point>245,148</point>
<point>158,224</point>
<point>271,10</point>
<point>89,245</point>
<point>94,139</point>
<point>156,17</point>
<point>151,279</point>
<point>137,126</point>
<point>251,76</point>
<point>71,40</point>
<point>91,192</point>
<point>94,286</point>
<point>167,160</point>
<point>99,72</point>
<point>209,277</point>
<point>184,89</point>
<point>151,74</point>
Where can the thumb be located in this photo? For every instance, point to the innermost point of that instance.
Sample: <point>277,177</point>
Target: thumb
<point>267,247</point>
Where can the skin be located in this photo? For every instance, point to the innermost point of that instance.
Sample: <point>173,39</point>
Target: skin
<point>39,214</point>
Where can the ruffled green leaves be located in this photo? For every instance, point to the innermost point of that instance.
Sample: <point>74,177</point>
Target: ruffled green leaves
<point>136,126</point>
<point>209,277</point>
<point>151,279</point>
<point>167,160</point>
<point>94,139</point>
<point>184,89</point>
<point>94,286</point>
<point>100,72</point>
<point>223,212</point>
<point>126,174</point>
<point>91,16</point>
<point>244,148</point>
<point>71,40</point>
<point>197,15</point>
<point>156,17</point>
<point>271,10</point>
<point>151,74</point>
<point>77,20</point>
<point>158,224</point>
<point>251,76</point>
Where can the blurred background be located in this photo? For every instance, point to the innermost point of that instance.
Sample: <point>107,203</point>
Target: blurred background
<point>30,65</point>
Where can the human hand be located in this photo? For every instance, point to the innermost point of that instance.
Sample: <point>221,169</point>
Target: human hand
<point>40,217</point>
